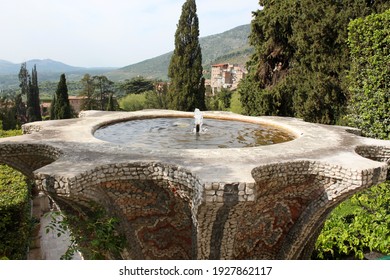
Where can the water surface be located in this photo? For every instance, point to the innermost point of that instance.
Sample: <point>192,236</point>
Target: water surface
<point>177,133</point>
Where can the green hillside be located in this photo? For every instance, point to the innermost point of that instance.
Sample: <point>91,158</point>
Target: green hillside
<point>231,46</point>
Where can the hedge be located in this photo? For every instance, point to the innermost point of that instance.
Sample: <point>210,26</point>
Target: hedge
<point>15,214</point>
<point>15,207</point>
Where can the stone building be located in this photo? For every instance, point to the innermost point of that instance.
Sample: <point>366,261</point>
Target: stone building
<point>226,76</point>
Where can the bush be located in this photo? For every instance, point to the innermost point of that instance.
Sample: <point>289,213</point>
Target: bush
<point>357,226</point>
<point>15,220</point>
<point>14,210</point>
<point>132,102</point>
<point>369,77</point>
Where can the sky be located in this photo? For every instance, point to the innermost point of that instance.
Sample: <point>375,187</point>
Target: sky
<point>106,33</point>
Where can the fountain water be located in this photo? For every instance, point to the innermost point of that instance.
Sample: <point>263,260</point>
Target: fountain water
<point>198,116</point>
<point>175,133</point>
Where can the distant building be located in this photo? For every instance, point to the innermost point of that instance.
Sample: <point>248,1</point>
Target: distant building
<point>226,76</point>
<point>75,102</point>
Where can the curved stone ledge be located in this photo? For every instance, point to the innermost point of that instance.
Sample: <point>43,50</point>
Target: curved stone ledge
<point>28,157</point>
<point>266,202</point>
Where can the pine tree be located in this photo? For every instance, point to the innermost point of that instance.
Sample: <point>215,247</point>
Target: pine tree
<point>33,104</point>
<point>186,91</point>
<point>61,107</point>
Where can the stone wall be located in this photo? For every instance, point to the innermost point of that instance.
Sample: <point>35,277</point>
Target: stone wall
<point>157,204</point>
<point>28,157</point>
<point>167,213</point>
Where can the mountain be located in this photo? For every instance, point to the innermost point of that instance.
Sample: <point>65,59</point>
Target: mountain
<point>231,46</point>
<point>228,47</point>
<point>48,70</point>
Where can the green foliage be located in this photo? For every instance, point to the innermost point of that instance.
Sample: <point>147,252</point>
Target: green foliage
<point>88,91</point>
<point>220,101</point>
<point>8,118</point>
<point>301,58</point>
<point>186,91</point>
<point>103,89</point>
<point>112,104</point>
<point>98,92</point>
<point>357,226</point>
<point>15,224</point>
<point>33,104</point>
<point>146,100</point>
<point>155,100</point>
<point>94,234</point>
<point>235,104</point>
<point>369,77</point>
<point>9,133</point>
<point>132,102</point>
<point>136,85</point>
<point>60,106</point>
<point>362,224</point>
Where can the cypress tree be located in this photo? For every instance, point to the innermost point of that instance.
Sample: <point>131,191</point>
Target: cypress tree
<point>111,103</point>
<point>24,91</point>
<point>33,104</point>
<point>61,106</point>
<point>186,91</point>
<point>53,106</point>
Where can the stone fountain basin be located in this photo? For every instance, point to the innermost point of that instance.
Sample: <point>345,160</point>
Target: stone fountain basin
<point>264,202</point>
<point>333,145</point>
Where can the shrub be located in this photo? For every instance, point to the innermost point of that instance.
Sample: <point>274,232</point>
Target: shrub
<point>357,226</point>
<point>15,214</point>
<point>132,102</point>
<point>369,77</point>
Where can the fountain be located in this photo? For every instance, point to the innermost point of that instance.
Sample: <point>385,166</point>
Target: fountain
<point>174,133</point>
<point>198,121</point>
<point>262,200</point>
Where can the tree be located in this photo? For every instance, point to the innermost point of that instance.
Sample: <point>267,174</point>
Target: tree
<point>53,106</point>
<point>60,104</point>
<point>301,58</point>
<point>29,88</point>
<point>8,115</point>
<point>24,79</point>
<point>33,103</point>
<point>186,91</point>
<point>369,77</point>
<point>24,90</point>
<point>361,224</point>
<point>112,104</point>
<point>137,85</point>
<point>104,90</point>
<point>20,107</point>
<point>88,91</point>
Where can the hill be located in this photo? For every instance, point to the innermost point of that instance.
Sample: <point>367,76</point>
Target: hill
<point>231,46</point>
<point>228,47</point>
<point>48,70</point>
